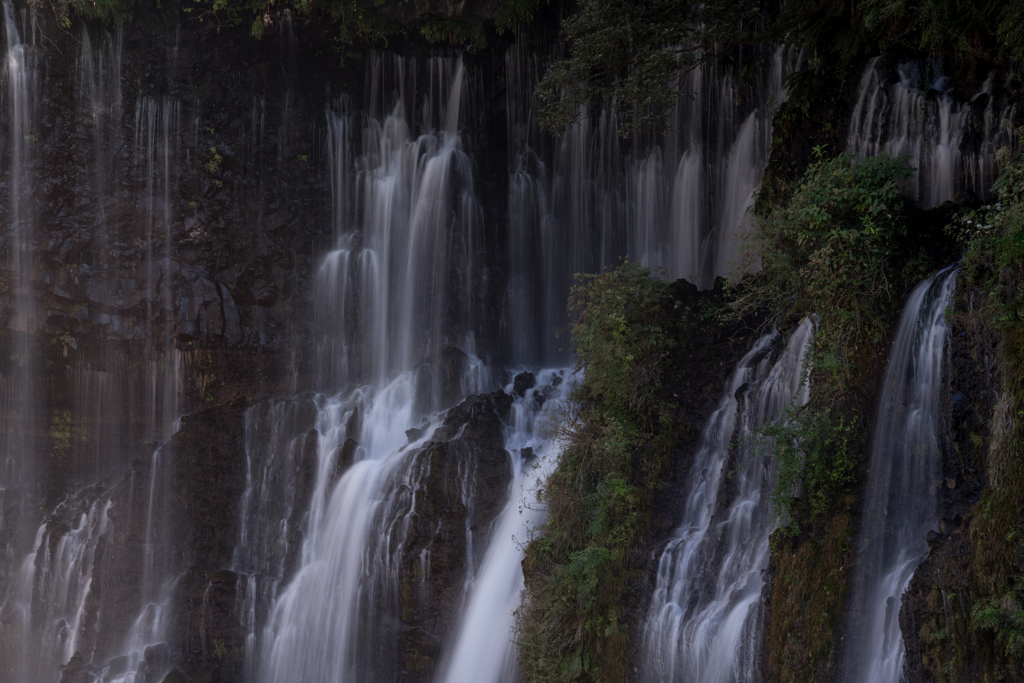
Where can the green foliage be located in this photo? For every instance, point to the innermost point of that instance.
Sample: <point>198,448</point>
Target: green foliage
<point>213,164</point>
<point>815,451</point>
<point>1003,621</point>
<point>454,32</point>
<point>513,13</point>
<point>842,32</point>
<point>993,266</point>
<point>633,54</point>
<point>598,498</point>
<point>830,252</point>
<point>618,335</point>
<point>111,12</point>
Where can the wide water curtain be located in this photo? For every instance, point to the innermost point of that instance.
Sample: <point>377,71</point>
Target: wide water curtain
<point>704,620</point>
<point>677,201</point>
<point>407,225</point>
<point>405,218</point>
<point>902,500</point>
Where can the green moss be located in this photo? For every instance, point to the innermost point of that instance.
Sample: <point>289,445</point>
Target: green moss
<point>807,600</point>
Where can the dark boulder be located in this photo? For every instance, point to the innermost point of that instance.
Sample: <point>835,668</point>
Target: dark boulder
<point>523,382</point>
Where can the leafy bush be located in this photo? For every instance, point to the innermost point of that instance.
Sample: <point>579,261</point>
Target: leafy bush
<point>598,498</point>
<point>618,336</point>
<point>830,253</point>
<point>1003,621</point>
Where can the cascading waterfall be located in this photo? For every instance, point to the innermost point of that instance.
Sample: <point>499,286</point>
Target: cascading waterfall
<point>704,620</point>
<point>314,626</point>
<point>405,251</point>
<point>922,120</point>
<point>63,584</point>
<point>902,500</point>
<point>482,650</point>
<point>383,300</point>
<point>678,202</point>
<point>19,473</point>
<point>120,403</point>
<point>334,562</point>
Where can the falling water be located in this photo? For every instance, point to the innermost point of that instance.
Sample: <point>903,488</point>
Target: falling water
<point>677,201</point>
<point>18,471</point>
<point>483,650</point>
<point>923,121</point>
<point>155,146</point>
<point>704,620</point>
<point>62,584</point>
<point>397,288</point>
<point>384,304</point>
<point>902,500</point>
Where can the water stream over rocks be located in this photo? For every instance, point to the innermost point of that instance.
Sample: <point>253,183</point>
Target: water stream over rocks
<point>704,620</point>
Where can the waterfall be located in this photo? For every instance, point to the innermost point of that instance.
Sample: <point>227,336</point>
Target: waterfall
<point>902,499</point>
<point>405,252</point>
<point>678,201</point>
<point>18,470</point>
<point>393,339</point>
<point>120,402</point>
<point>704,620</point>
<point>920,119</point>
<point>482,650</point>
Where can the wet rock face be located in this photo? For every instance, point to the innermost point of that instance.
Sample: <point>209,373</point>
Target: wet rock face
<point>149,230</point>
<point>444,498</point>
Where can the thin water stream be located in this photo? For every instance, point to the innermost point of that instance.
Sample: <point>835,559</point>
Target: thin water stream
<point>902,498</point>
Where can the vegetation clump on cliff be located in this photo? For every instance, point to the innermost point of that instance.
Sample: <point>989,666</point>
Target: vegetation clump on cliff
<point>570,626</point>
<point>836,248</point>
<point>836,251</point>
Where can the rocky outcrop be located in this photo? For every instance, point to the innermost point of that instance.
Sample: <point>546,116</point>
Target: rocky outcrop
<point>441,503</point>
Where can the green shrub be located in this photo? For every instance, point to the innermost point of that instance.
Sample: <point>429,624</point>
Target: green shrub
<point>830,253</point>
<point>598,498</point>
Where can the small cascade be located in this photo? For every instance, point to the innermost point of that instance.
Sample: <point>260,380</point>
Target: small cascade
<point>704,620</point>
<point>482,650</point>
<point>60,595</point>
<point>368,479</point>
<point>64,614</point>
<point>677,201</point>
<point>917,116</point>
<point>281,467</point>
<point>142,653</point>
<point>902,499</point>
